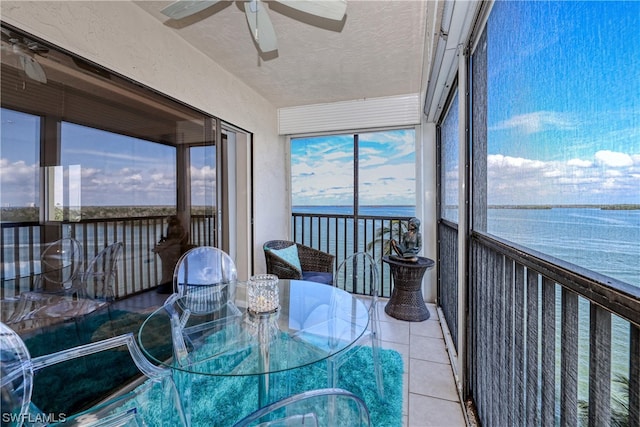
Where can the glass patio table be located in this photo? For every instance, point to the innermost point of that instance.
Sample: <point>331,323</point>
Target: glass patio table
<point>314,322</point>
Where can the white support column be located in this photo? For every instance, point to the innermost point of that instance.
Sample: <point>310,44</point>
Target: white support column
<point>463,219</point>
<point>427,193</point>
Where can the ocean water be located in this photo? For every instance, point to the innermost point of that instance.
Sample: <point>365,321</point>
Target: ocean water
<point>601,240</point>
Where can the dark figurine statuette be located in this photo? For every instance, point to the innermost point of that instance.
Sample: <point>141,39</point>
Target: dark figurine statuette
<point>411,243</point>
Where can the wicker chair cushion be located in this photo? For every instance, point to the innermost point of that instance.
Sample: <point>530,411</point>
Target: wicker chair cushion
<point>290,255</point>
<point>318,276</point>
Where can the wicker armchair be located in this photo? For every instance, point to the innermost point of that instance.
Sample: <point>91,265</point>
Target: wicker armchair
<point>316,265</point>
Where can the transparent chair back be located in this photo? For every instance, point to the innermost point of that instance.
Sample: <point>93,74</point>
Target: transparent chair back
<point>205,279</point>
<point>318,408</point>
<point>204,284</point>
<point>16,377</point>
<point>100,276</point>
<point>59,291</point>
<point>153,402</point>
<point>61,265</point>
<point>358,274</point>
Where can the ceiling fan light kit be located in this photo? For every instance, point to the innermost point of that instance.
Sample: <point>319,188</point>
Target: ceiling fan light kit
<point>25,50</point>
<point>258,19</point>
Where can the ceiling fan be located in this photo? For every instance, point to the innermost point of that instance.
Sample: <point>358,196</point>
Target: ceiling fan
<point>24,50</point>
<point>257,16</point>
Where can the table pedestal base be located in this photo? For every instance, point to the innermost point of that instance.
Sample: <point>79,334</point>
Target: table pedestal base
<point>406,302</point>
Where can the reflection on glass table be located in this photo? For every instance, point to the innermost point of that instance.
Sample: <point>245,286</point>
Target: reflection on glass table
<point>315,321</point>
<point>62,290</point>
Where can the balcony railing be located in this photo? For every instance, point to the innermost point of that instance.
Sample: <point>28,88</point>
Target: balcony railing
<point>548,341</point>
<point>139,268</point>
<point>337,235</point>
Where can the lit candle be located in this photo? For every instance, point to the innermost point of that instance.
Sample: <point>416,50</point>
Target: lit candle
<point>262,293</point>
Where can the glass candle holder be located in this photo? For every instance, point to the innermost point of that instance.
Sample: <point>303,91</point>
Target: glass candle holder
<point>262,294</point>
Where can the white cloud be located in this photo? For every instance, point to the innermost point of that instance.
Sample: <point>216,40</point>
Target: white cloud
<point>517,163</point>
<point>580,163</point>
<point>18,172</point>
<point>613,159</point>
<point>516,180</point>
<point>537,121</point>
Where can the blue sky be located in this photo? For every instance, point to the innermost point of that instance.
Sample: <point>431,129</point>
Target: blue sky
<point>322,169</point>
<point>563,127</point>
<point>564,112</point>
<point>115,170</point>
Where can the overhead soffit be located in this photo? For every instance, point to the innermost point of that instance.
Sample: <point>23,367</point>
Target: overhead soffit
<point>376,51</point>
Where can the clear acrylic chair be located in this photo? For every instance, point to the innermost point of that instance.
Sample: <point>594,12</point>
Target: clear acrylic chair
<point>204,284</point>
<point>358,273</point>
<point>328,407</point>
<point>101,274</point>
<point>154,402</point>
<point>59,292</point>
<point>205,279</point>
<point>61,266</point>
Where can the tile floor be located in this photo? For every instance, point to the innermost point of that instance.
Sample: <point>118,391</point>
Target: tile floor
<point>430,396</point>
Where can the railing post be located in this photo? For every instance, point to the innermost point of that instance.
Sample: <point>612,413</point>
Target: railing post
<point>599,367</point>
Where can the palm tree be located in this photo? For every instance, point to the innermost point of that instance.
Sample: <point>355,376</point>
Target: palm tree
<point>619,403</point>
<point>386,233</point>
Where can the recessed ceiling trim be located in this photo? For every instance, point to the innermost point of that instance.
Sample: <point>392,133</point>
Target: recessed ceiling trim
<point>403,110</point>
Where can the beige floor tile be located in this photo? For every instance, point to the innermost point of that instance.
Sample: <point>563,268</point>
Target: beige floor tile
<point>427,411</point>
<point>394,332</point>
<point>425,348</point>
<point>433,311</point>
<point>428,328</point>
<point>432,379</point>
<point>405,394</point>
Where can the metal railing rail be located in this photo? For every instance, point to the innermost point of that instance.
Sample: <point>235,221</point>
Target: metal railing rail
<point>139,268</point>
<point>337,235</point>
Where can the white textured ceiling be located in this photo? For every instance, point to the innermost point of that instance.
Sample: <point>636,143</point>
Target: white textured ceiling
<point>377,50</point>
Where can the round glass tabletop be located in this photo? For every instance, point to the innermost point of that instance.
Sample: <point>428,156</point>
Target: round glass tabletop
<point>314,321</point>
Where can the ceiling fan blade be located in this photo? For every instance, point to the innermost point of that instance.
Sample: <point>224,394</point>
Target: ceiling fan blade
<point>330,9</point>
<point>260,25</point>
<point>32,69</point>
<point>183,8</point>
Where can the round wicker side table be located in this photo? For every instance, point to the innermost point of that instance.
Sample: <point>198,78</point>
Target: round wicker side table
<point>406,302</point>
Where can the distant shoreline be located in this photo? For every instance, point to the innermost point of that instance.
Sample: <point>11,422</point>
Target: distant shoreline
<point>616,207</point>
<point>620,206</point>
<point>21,214</point>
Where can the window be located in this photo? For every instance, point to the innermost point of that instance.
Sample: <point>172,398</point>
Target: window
<point>449,159</point>
<point>19,171</point>
<point>562,120</point>
<point>377,169</point>
<point>203,183</point>
<point>322,172</point>
<point>556,151</point>
<point>118,171</point>
<point>349,192</point>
